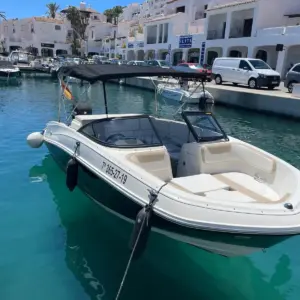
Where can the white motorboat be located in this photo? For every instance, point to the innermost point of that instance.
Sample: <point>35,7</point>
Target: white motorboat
<point>9,73</point>
<point>185,179</point>
<point>187,94</point>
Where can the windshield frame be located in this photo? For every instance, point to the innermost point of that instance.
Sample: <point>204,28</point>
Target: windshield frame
<point>109,145</point>
<point>199,139</point>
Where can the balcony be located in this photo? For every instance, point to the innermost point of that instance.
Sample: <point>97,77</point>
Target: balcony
<point>275,31</point>
<point>265,32</point>
<point>239,32</point>
<point>292,30</point>
<point>241,23</point>
<point>215,35</point>
<point>216,26</point>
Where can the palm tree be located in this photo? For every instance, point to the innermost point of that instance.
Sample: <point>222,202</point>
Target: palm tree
<point>2,15</point>
<point>109,15</point>
<point>52,9</point>
<point>79,21</point>
<point>117,10</point>
<point>113,14</point>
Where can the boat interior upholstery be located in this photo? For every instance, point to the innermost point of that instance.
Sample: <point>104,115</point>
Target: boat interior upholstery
<point>222,170</point>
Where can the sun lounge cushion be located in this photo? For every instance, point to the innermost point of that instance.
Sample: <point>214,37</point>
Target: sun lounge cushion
<point>199,184</point>
<point>249,186</point>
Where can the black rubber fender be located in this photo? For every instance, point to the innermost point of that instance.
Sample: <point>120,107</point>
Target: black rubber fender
<point>141,231</point>
<point>72,174</point>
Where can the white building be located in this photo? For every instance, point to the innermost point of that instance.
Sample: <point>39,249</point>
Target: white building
<point>49,37</point>
<point>45,36</point>
<point>164,33</point>
<point>266,29</point>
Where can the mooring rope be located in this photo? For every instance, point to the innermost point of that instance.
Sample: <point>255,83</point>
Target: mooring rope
<point>129,262</point>
<point>150,206</point>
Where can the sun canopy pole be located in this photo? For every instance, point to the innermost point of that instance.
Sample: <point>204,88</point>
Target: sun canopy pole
<point>105,100</point>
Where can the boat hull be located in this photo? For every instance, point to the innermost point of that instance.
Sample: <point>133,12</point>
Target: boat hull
<point>225,244</point>
<point>181,96</point>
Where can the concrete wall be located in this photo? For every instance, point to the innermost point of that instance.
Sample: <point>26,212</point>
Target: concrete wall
<point>271,12</point>
<point>258,102</point>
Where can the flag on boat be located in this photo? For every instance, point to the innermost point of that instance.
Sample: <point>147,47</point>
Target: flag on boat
<point>66,90</point>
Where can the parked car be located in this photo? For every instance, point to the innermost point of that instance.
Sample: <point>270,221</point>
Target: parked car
<point>292,77</point>
<point>100,59</point>
<point>158,63</point>
<point>118,62</point>
<point>136,63</point>
<point>194,67</point>
<point>249,71</point>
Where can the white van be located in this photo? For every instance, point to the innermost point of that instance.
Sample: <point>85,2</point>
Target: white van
<point>249,71</point>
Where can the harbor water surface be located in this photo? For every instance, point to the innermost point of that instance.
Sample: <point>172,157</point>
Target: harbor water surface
<point>60,245</point>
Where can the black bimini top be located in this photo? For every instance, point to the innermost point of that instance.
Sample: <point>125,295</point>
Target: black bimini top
<point>93,73</point>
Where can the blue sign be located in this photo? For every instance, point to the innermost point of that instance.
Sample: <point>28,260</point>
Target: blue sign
<point>140,44</point>
<point>202,53</point>
<point>185,41</point>
<point>130,45</point>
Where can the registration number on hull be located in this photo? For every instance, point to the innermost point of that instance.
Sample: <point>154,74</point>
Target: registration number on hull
<point>114,172</point>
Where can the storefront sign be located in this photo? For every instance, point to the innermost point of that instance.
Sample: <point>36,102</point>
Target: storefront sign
<point>45,45</point>
<point>130,45</point>
<point>185,41</point>
<point>202,53</point>
<point>140,44</point>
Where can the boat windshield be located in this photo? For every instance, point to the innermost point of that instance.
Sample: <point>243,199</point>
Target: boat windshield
<point>204,126</point>
<point>124,132</point>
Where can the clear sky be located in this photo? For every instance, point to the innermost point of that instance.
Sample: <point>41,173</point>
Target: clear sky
<point>29,8</point>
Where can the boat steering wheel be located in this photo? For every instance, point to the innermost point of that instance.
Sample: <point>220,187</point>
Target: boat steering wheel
<point>114,137</point>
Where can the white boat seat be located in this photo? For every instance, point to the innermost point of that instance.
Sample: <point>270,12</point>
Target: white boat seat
<point>248,186</point>
<point>199,184</point>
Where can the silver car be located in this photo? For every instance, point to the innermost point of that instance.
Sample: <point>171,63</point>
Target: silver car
<point>292,77</point>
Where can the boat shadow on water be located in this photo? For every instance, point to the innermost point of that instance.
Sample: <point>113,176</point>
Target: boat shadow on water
<point>96,248</point>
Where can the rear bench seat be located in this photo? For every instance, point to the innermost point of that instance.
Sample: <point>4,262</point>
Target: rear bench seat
<point>236,170</point>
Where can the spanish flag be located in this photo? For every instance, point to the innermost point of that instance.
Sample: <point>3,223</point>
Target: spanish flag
<point>66,90</point>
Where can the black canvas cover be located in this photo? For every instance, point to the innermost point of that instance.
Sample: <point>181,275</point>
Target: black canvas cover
<point>93,73</point>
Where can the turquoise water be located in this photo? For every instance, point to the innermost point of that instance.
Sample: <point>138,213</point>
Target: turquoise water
<point>60,245</point>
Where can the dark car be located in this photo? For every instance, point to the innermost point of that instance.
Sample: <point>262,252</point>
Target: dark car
<point>194,67</point>
<point>292,77</point>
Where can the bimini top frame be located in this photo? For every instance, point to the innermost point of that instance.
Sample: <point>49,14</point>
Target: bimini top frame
<point>104,73</point>
<point>94,73</point>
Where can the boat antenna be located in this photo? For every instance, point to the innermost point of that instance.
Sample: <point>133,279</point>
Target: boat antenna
<point>105,99</point>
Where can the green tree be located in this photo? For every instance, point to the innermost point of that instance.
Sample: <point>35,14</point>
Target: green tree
<point>113,14</point>
<point>109,15</point>
<point>117,10</point>
<point>2,15</point>
<point>52,9</point>
<point>79,21</point>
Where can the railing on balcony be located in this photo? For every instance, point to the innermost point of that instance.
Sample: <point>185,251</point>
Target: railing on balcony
<point>270,31</point>
<point>215,35</point>
<point>292,30</point>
